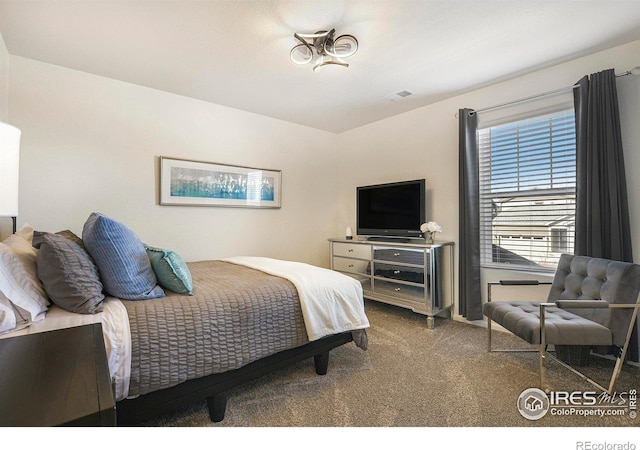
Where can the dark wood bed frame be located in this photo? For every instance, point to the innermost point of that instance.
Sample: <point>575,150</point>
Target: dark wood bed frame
<point>214,387</point>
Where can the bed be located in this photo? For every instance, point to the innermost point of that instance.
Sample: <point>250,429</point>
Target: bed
<point>244,317</point>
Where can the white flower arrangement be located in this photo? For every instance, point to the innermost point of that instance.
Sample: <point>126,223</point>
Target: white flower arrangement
<point>431,227</point>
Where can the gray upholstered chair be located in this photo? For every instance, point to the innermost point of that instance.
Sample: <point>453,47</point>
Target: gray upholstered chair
<point>593,303</point>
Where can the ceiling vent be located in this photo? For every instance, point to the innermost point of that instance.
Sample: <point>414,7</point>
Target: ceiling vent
<point>398,96</point>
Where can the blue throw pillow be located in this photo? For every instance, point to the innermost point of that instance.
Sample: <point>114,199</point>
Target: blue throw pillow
<point>125,269</point>
<point>171,270</point>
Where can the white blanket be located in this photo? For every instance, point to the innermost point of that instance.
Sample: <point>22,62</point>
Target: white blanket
<point>331,302</point>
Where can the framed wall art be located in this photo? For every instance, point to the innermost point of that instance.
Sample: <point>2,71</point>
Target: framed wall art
<point>198,183</point>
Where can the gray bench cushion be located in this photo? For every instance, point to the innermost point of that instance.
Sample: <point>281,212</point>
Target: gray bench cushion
<point>523,320</point>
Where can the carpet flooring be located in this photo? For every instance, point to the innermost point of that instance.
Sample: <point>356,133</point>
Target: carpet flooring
<point>410,376</point>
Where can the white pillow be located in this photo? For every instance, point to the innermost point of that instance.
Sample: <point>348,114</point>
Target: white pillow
<point>19,287</point>
<point>21,243</point>
<point>7,316</point>
<point>12,318</point>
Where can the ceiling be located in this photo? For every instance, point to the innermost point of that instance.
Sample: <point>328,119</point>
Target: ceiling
<point>236,53</point>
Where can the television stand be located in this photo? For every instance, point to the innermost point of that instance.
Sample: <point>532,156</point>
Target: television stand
<point>411,274</point>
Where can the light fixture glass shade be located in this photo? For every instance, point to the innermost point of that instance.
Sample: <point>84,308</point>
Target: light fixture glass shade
<point>9,169</point>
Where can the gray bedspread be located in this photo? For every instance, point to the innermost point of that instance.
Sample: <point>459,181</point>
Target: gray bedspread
<point>236,316</point>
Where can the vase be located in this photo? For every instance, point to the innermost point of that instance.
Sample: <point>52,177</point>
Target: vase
<point>429,236</point>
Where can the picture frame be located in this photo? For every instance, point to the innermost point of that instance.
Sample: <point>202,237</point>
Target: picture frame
<point>185,182</point>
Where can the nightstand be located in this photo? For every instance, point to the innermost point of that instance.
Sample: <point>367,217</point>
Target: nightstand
<point>58,377</point>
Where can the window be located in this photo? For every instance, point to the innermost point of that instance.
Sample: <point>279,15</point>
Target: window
<point>527,191</point>
<point>559,240</point>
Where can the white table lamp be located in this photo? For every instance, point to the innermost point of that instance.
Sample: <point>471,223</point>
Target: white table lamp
<point>9,170</point>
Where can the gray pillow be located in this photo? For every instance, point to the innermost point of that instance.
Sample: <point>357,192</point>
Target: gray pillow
<point>71,235</point>
<point>123,264</point>
<point>68,275</point>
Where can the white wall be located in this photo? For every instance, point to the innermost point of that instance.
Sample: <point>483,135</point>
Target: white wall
<point>424,142</point>
<point>5,223</point>
<point>91,144</point>
<point>4,81</point>
<point>629,103</point>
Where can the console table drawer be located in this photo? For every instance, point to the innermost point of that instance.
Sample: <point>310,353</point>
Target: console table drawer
<point>404,273</point>
<point>400,255</point>
<point>351,265</point>
<point>412,293</point>
<point>361,251</point>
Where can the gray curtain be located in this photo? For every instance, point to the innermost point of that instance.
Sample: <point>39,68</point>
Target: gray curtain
<point>470,298</point>
<point>602,212</point>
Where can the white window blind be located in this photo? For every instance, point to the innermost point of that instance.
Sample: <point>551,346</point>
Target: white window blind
<point>527,191</point>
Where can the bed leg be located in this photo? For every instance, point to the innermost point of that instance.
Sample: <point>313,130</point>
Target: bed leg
<point>321,362</point>
<point>217,406</point>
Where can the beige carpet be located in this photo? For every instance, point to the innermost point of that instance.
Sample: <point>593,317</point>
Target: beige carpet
<point>410,377</point>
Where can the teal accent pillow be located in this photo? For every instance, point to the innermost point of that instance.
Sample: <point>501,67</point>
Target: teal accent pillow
<point>123,264</point>
<point>171,270</point>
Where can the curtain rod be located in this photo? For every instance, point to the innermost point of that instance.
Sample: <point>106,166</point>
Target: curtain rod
<point>634,71</point>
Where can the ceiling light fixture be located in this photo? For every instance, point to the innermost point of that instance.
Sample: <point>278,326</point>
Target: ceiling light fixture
<point>323,48</point>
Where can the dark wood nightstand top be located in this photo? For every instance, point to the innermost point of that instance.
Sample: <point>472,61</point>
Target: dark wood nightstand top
<point>58,377</point>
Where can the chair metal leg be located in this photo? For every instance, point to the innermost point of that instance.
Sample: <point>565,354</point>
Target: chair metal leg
<point>541,366</point>
<point>489,334</point>
<point>618,368</point>
<point>543,346</point>
<point>619,361</point>
<point>502,350</point>
<point>544,354</point>
<point>616,372</point>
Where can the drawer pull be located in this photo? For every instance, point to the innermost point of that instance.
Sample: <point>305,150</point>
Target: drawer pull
<point>397,289</point>
<point>350,265</point>
<point>350,250</point>
<point>396,254</point>
<point>396,272</point>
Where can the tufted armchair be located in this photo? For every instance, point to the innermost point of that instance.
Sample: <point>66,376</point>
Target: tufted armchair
<point>593,303</point>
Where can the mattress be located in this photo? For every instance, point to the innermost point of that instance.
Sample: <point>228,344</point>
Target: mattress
<point>237,315</point>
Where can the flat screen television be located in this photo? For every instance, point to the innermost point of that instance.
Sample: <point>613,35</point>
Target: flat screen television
<point>391,209</point>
